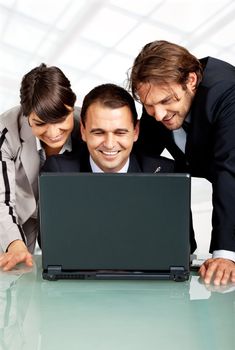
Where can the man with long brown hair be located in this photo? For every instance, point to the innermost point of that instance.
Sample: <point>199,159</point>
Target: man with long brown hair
<point>44,124</point>
<point>189,109</point>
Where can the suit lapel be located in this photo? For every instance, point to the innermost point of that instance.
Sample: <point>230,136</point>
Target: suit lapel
<point>84,160</point>
<point>29,155</point>
<point>134,166</point>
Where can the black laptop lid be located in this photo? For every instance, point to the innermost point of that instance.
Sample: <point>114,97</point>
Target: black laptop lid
<point>134,222</point>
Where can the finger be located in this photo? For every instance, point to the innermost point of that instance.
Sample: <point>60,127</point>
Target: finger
<point>3,259</point>
<point>209,273</point>
<point>218,276</point>
<point>225,277</point>
<point>29,260</point>
<point>202,271</point>
<point>13,260</point>
<point>9,264</point>
<point>233,276</point>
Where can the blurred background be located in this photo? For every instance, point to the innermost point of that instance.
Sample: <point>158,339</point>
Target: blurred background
<point>96,41</point>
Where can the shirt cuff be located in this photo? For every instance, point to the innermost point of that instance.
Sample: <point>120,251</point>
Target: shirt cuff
<point>225,254</point>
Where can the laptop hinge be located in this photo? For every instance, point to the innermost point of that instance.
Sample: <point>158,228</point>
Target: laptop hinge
<point>178,273</point>
<point>53,271</point>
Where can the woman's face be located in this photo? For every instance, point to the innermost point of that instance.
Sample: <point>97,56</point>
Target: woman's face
<point>52,135</point>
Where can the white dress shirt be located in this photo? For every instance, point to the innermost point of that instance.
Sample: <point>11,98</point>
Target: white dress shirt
<point>96,169</point>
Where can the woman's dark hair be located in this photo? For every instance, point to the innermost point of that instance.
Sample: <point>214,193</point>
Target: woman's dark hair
<point>109,95</point>
<point>47,92</point>
<point>162,62</point>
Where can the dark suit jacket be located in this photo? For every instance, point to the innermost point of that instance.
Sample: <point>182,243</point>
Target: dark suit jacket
<point>79,162</point>
<point>210,146</point>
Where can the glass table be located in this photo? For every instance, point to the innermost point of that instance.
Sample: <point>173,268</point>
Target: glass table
<point>36,314</point>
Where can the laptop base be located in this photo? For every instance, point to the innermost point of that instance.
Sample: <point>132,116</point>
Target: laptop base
<point>177,274</point>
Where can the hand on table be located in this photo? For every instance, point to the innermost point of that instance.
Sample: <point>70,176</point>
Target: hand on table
<point>220,271</point>
<point>17,253</point>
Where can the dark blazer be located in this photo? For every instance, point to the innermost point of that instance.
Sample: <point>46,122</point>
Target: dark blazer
<point>210,146</point>
<point>79,162</point>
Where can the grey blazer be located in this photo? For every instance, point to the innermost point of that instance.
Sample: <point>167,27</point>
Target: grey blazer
<point>19,169</point>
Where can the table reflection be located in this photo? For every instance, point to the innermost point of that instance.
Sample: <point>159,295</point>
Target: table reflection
<point>43,315</point>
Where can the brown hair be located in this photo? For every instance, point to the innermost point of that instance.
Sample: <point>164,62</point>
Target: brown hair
<point>109,95</point>
<point>163,62</point>
<point>46,91</point>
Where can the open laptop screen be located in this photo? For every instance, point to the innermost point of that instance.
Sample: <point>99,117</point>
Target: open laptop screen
<point>99,224</point>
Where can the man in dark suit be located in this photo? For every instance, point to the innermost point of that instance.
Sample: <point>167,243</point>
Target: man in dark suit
<point>189,109</point>
<point>109,128</point>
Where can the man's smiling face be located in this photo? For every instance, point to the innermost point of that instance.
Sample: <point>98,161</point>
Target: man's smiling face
<point>168,104</point>
<point>109,134</point>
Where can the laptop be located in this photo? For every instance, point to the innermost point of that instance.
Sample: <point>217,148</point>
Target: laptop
<point>115,226</point>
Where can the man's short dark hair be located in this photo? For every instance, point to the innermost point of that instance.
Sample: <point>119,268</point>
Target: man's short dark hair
<point>47,92</point>
<point>111,96</point>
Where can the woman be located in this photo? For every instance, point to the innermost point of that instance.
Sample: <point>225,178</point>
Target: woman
<point>44,124</point>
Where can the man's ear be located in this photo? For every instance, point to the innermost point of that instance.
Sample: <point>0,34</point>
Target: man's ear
<point>137,130</point>
<point>82,129</point>
<point>192,81</point>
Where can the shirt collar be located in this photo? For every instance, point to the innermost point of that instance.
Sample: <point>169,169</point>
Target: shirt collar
<point>96,169</point>
<point>180,136</point>
<point>188,117</point>
<point>66,147</point>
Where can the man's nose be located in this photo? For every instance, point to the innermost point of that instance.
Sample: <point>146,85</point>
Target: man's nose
<point>109,141</point>
<point>159,113</point>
